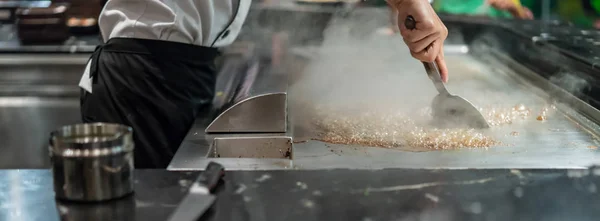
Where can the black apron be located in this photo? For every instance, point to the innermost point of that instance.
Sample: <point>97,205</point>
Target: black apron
<point>156,87</point>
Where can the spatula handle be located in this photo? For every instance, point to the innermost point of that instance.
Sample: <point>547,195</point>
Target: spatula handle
<point>434,74</point>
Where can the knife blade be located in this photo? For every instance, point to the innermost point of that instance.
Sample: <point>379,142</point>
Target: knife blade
<point>199,197</point>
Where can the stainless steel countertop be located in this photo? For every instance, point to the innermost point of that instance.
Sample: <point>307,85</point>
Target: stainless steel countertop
<point>334,195</point>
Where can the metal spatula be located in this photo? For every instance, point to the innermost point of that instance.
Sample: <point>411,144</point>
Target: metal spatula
<point>449,110</point>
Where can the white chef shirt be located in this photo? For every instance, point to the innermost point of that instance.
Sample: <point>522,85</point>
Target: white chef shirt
<point>210,23</point>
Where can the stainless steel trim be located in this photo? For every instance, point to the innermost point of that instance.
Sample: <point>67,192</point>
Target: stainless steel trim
<point>37,101</point>
<point>238,164</point>
<point>263,147</point>
<point>588,116</point>
<point>25,4</point>
<point>261,113</point>
<point>39,90</point>
<point>37,59</point>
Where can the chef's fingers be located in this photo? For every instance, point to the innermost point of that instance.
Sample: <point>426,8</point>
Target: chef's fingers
<point>429,54</point>
<point>441,59</point>
<point>515,11</point>
<point>501,4</point>
<point>424,24</point>
<point>441,63</point>
<point>423,43</point>
<point>423,28</point>
<point>527,13</point>
<point>394,19</point>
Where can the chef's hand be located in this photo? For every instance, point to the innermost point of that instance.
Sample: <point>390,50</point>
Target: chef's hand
<point>426,40</point>
<point>511,6</point>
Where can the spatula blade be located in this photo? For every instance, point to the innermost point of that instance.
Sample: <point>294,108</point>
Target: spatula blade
<point>455,111</point>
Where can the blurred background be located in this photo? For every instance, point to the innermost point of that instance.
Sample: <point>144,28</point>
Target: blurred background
<point>583,13</point>
<point>47,22</point>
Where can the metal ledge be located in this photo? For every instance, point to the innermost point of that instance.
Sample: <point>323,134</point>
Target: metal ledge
<point>264,113</point>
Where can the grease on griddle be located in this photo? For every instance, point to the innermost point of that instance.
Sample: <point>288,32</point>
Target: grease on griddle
<point>391,129</point>
<point>502,116</point>
<point>394,130</point>
<point>541,117</point>
<point>450,139</point>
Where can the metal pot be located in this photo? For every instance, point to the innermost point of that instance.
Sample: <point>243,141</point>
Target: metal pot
<point>92,162</point>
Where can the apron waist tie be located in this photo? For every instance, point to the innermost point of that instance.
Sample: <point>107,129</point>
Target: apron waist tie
<point>94,65</point>
<point>162,50</point>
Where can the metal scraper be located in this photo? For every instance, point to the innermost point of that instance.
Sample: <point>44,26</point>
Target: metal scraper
<point>449,110</point>
<point>199,197</point>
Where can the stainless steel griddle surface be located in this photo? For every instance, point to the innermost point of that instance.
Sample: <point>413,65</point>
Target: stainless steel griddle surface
<point>558,142</point>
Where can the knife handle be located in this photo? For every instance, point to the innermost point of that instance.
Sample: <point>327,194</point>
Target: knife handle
<point>211,176</point>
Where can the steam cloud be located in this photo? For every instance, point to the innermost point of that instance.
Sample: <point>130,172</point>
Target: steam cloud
<point>569,82</point>
<point>359,69</point>
<point>358,66</point>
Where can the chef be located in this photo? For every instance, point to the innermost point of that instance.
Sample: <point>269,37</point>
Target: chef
<point>155,71</point>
